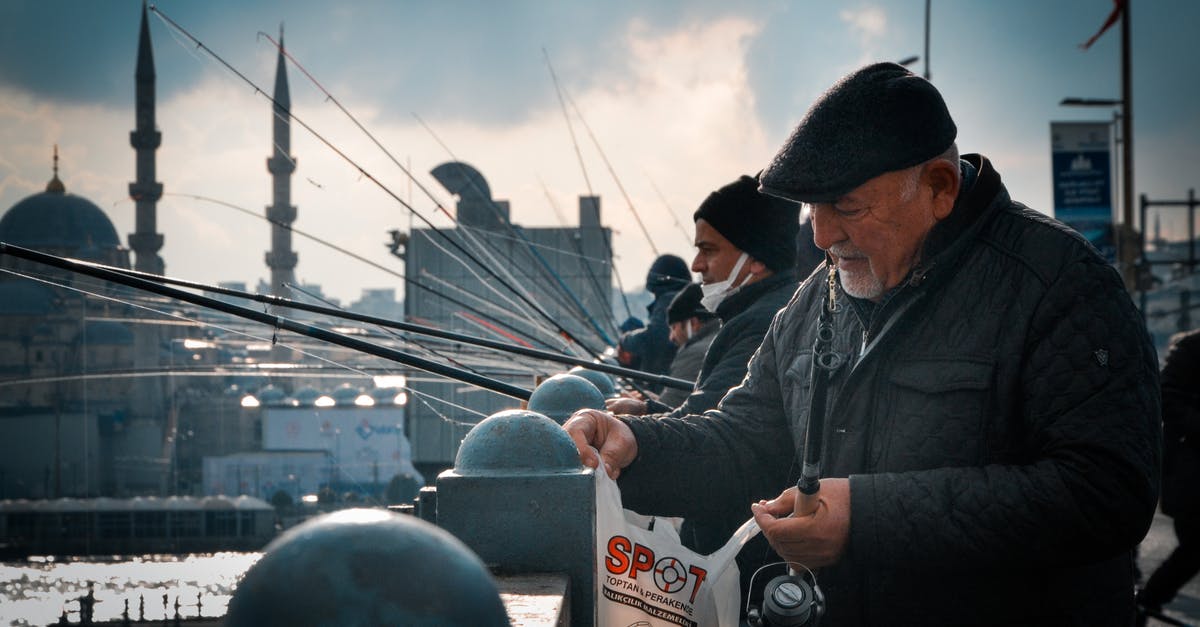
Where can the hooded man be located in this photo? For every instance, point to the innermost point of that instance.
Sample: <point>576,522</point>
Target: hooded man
<point>987,393</point>
<point>650,349</point>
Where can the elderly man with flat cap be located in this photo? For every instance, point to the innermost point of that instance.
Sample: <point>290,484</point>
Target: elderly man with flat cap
<point>991,400</point>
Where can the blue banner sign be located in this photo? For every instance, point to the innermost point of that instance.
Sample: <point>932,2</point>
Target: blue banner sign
<point>1081,155</point>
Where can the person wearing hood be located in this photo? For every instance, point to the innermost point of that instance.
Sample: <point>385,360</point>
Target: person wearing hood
<point>650,349</point>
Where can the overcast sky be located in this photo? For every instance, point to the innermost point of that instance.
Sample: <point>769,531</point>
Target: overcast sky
<point>681,96</point>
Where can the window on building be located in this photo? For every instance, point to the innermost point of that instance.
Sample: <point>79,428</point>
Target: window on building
<point>150,524</point>
<point>220,524</point>
<point>113,524</point>
<point>185,524</point>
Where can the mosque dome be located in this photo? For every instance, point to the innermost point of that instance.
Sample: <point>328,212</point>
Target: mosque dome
<point>56,219</point>
<point>62,223</point>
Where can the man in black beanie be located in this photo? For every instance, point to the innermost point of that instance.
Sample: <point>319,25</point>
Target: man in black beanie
<point>745,256</point>
<point>693,329</point>
<point>987,392</point>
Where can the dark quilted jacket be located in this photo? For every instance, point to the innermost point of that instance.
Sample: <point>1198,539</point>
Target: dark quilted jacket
<point>1000,438</point>
<point>745,316</point>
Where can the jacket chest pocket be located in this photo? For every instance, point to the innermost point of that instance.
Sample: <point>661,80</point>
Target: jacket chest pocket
<point>935,415</point>
<point>795,384</point>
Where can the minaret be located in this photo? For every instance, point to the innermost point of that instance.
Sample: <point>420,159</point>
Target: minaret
<point>280,259</point>
<point>145,191</point>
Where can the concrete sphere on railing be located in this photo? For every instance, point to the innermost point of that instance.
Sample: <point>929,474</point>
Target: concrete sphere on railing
<point>516,441</point>
<point>602,381</point>
<point>360,567</point>
<point>562,395</point>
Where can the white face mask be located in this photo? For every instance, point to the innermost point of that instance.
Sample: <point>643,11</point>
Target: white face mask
<point>714,293</point>
<point>688,326</point>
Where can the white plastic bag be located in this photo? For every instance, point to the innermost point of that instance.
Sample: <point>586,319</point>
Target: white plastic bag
<point>648,578</point>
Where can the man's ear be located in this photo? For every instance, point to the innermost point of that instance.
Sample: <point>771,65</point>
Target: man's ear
<point>757,268</point>
<point>944,181</point>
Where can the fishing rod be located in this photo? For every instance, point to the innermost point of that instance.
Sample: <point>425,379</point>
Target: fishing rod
<point>387,190</point>
<point>364,371</point>
<point>687,237</point>
<point>278,322</point>
<point>404,277</point>
<point>574,142</point>
<point>279,46</point>
<point>449,359</point>
<point>140,279</point>
<point>578,245</point>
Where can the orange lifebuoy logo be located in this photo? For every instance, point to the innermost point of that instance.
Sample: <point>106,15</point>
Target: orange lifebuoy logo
<point>668,573</point>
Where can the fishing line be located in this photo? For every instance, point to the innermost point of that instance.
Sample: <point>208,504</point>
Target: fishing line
<point>178,316</point>
<point>330,97</point>
<point>610,318</point>
<point>613,172</point>
<point>687,237</point>
<point>537,257</point>
<point>574,142</point>
<point>412,179</point>
<point>447,285</point>
<point>360,169</point>
<point>385,330</point>
<point>351,254</point>
<point>553,249</point>
<point>150,282</point>
<point>129,278</point>
<point>366,372</point>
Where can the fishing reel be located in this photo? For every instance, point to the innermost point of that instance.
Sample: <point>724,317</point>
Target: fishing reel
<point>790,600</point>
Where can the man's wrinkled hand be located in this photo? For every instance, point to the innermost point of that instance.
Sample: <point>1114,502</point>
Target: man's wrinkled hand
<point>815,540</point>
<point>602,438</point>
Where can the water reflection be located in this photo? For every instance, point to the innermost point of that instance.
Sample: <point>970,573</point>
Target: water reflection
<point>36,591</point>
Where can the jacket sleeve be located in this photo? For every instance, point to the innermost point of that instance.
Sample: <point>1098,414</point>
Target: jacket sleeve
<point>1087,487</point>
<point>705,464</point>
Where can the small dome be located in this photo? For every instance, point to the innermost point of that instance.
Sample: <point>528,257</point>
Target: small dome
<point>58,220</point>
<point>345,394</point>
<point>307,396</point>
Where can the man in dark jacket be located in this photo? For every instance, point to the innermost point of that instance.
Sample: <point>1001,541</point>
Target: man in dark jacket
<point>1181,470</point>
<point>650,349</point>
<point>990,452</point>
<point>692,330</point>
<point>745,256</point>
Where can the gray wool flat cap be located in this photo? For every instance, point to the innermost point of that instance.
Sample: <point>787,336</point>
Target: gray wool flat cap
<point>878,119</point>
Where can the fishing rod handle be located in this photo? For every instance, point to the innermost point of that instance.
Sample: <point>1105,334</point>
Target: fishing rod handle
<point>807,489</point>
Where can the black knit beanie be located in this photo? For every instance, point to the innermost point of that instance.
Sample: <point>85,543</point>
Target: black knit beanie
<point>881,118</point>
<point>686,304</point>
<point>762,226</point>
